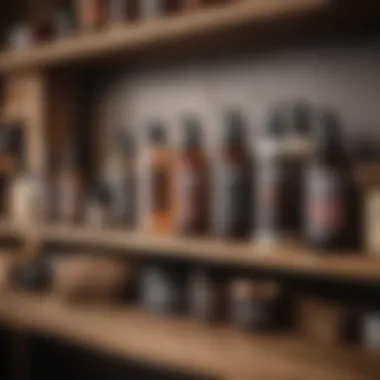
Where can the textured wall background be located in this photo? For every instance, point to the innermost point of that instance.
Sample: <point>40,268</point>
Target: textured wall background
<point>343,76</point>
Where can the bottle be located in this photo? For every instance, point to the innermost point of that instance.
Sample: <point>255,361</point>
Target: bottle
<point>328,189</point>
<point>270,167</point>
<point>162,185</point>
<point>193,182</point>
<point>69,185</point>
<point>299,145</point>
<point>233,183</point>
<point>121,178</point>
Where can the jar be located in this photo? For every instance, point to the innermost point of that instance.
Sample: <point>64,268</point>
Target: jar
<point>254,305</point>
<point>207,296</point>
<point>161,289</point>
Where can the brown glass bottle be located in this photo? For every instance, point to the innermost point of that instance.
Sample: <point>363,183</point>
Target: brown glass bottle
<point>329,191</point>
<point>193,182</point>
<point>162,181</point>
<point>233,198</point>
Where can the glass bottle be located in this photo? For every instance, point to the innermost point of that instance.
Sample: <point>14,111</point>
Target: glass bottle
<point>328,189</point>
<point>162,185</point>
<point>193,182</point>
<point>270,167</point>
<point>233,183</point>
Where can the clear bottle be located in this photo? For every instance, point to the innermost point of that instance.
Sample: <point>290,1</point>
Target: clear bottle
<point>232,214</point>
<point>299,146</point>
<point>270,169</point>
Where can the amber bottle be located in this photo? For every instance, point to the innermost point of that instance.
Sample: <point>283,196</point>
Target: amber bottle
<point>330,201</point>
<point>162,186</point>
<point>193,182</point>
<point>233,195</point>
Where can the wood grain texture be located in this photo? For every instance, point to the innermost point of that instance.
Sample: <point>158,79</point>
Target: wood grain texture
<point>126,38</point>
<point>180,343</point>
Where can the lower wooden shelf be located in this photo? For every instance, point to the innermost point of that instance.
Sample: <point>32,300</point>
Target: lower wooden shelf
<point>286,257</point>
<point>180,343</point>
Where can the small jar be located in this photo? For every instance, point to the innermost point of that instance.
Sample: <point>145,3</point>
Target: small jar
<point>207,296</point>
<point>254,305</point>
<point>161,289</point>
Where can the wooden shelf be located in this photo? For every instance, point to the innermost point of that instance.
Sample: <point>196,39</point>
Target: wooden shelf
<point>288,258</point>
<point>180,343</point>
<point>148,35</point>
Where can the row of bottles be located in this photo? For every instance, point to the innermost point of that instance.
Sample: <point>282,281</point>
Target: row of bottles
<point>50,20</point>
<point>297,181</point>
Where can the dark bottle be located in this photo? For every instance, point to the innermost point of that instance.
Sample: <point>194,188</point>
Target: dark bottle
<point>233,183</point>
<point>193,182</point>
<point>270,167</point>
<point>162,186</point>
<point>329,193</point>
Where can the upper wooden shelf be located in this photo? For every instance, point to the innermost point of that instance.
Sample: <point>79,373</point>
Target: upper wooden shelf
<point>146,35</point>
<point>182,344</point>
<point>287,258</point>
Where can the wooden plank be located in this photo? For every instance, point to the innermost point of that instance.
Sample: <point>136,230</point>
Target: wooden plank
<point>180,343</point>
<point>150,34</point>
<point>289,257</point>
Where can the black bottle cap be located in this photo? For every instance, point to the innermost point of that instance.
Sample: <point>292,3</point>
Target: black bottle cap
<point>192,133</point>
<point>276,124</point>
<point>235,127</point>
<point>157,133</point>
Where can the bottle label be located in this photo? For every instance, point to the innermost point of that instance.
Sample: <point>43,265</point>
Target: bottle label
<point>189,191</point>
<point>324,205</point>
<point>161,190</point>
